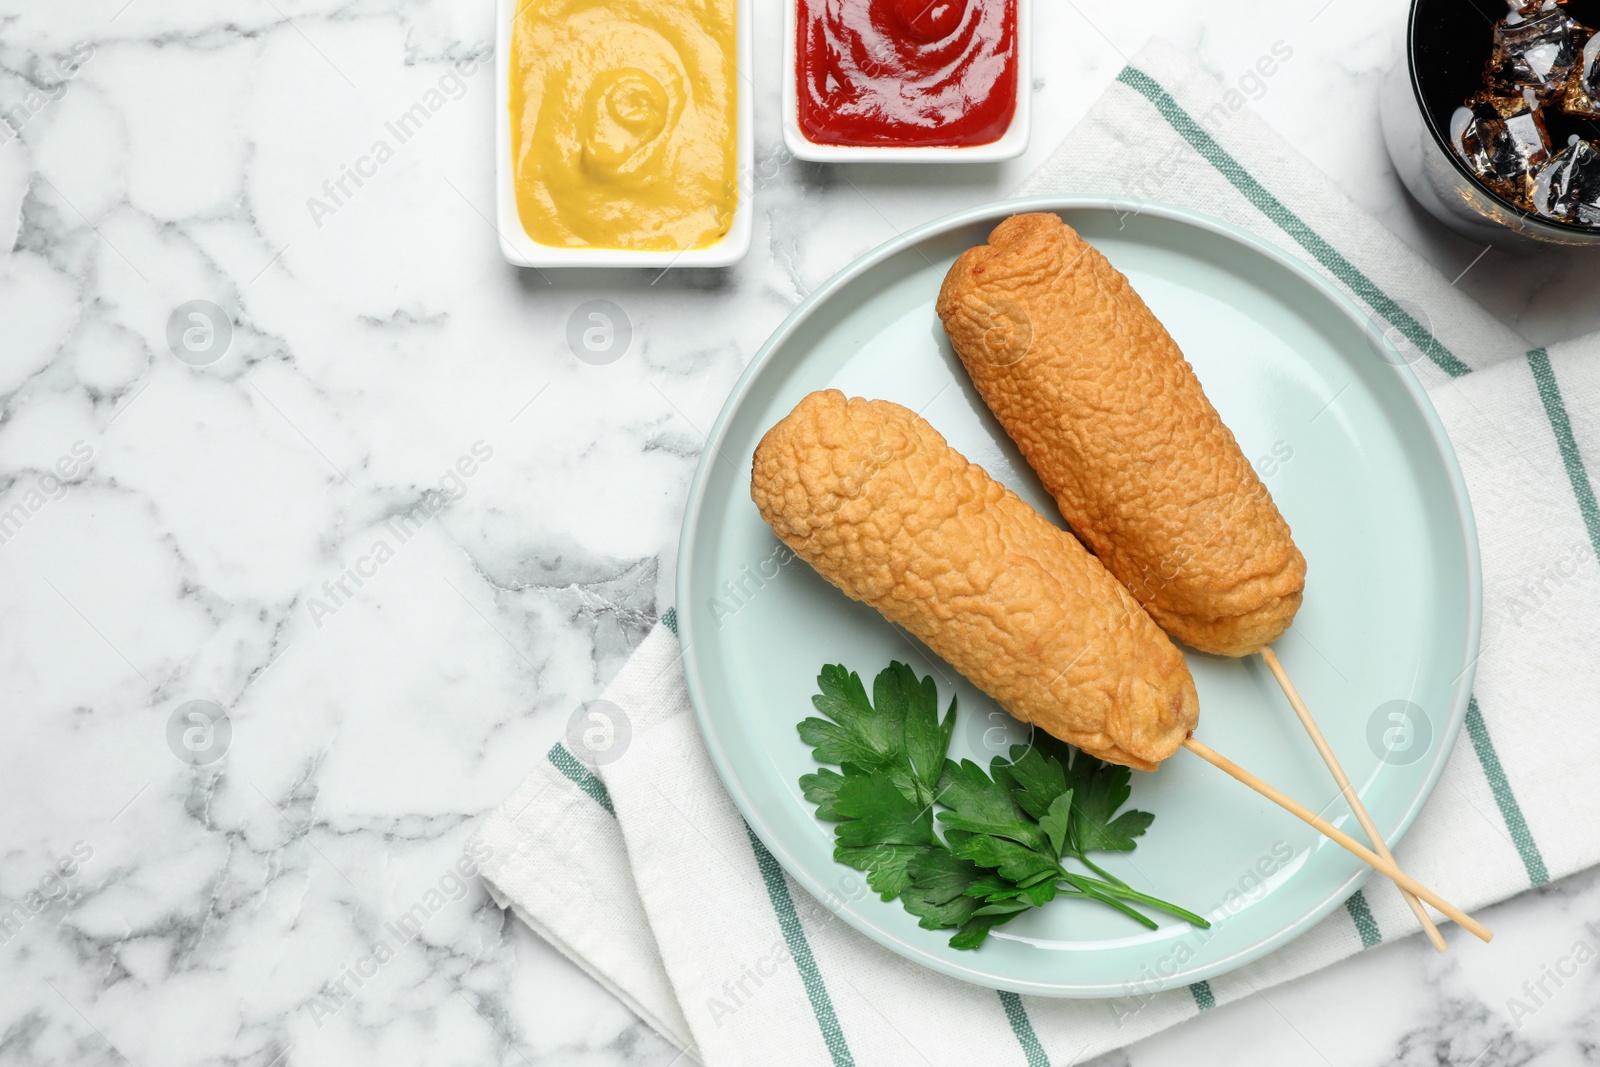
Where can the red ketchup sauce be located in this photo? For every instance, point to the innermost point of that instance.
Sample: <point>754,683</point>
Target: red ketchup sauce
<point>906,73</point>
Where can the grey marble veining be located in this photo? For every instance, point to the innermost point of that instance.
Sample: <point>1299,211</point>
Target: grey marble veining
<point>396,531</point>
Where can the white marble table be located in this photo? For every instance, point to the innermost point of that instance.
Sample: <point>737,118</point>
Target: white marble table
<point>212,532</point>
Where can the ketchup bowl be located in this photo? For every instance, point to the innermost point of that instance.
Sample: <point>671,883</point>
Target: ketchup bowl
<point>983,116</point>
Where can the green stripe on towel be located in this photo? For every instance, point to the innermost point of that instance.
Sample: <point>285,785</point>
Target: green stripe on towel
<point>1017,1015</point>
<point>800,949</point>
<point>1361,915</point>
<point>1556,410</point>
<point>1478,730</point>
<point>777,889</point>
<point>1204,999</point>
<point>1290,223</point>
<point>670,620</point>
<point>579,775</point>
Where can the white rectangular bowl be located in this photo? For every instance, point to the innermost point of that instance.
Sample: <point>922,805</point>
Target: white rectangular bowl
<point>1010,145</point>
<point>524,251</point>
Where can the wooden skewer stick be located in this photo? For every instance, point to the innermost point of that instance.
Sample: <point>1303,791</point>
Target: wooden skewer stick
<point>1339,837</point>
<point>1345,787</point>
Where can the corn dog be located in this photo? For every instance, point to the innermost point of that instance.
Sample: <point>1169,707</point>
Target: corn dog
<point>871,495</point>
<point>1104,407</point>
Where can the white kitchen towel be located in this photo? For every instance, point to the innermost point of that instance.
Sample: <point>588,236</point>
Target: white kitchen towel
<point>642,871</point>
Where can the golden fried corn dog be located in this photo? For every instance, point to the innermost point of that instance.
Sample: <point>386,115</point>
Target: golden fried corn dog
<point>871,496</point>
<point>1111,416</point>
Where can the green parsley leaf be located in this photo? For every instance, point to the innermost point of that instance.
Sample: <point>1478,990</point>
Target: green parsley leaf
<point>937,894</point>
<point>926,738</point>
<point>990,886</point>
<point>975,930</point>
<point>897,733</point>
<point>856,734</point>
<point>1034,879</point>
<point>876,812</point>
<point>886,866</point>
<point>1010,860</point>
<point>1098,790</point>
<point>993,889</point>
<point>1034,775</point>
<point>1042,893</point>
<point>821,789</point>
<point>935,914</point>
<point>980,805</point>
<point>1055,821</point>
<point>1004,907</point>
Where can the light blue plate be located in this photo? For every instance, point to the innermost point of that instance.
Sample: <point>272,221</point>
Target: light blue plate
<point>1352,452</point>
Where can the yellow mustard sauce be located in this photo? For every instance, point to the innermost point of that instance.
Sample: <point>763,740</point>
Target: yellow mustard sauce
<point>623,122</point>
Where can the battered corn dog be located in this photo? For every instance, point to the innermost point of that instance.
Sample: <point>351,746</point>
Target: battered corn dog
<point>1104,407</point>
<point>871,496</point>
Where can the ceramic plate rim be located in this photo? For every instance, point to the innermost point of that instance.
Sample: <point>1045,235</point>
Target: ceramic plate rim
<point>996,210</point>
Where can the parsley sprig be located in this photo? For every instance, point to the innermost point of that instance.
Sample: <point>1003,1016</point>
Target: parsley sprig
<point>999,841</point>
